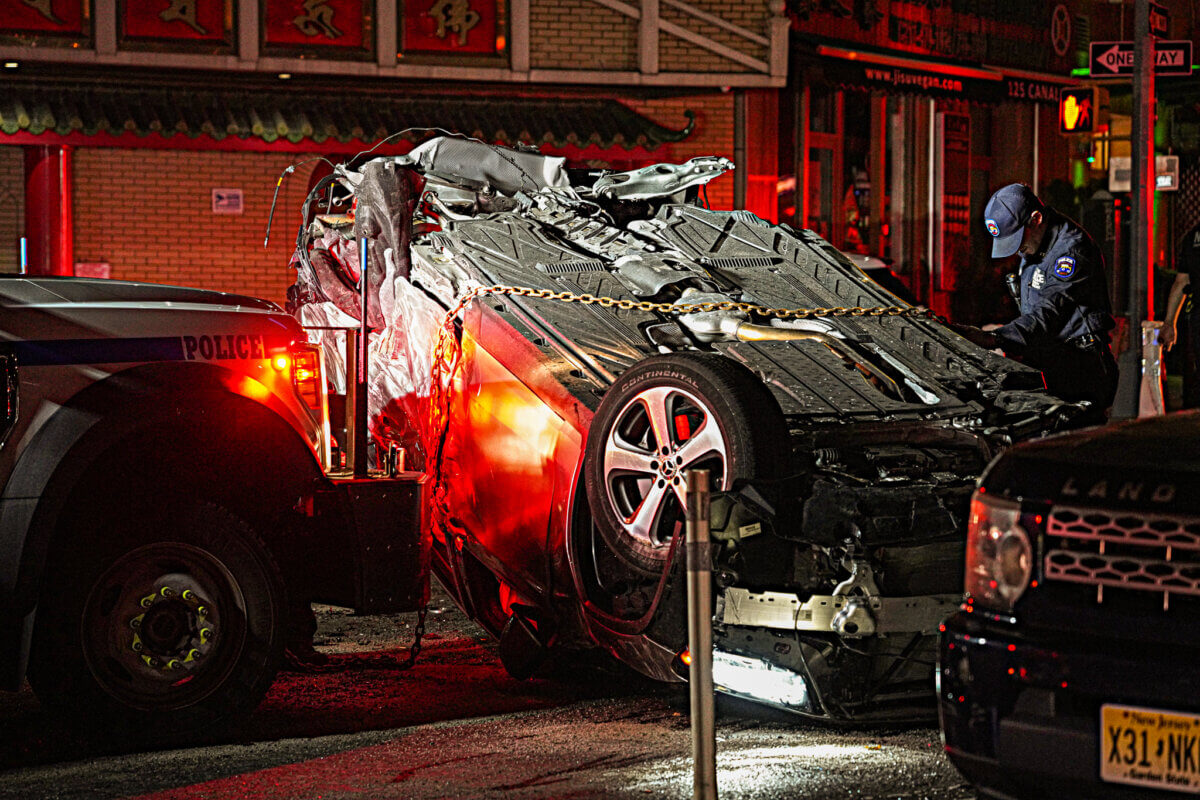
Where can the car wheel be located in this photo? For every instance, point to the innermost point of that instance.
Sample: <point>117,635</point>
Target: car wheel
<point>666,415</point>
<point>167,632</point>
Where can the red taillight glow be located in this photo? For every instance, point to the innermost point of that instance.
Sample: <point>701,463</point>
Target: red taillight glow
<point>281,363</point>
<point>685,658</point>
<point>306,374</point>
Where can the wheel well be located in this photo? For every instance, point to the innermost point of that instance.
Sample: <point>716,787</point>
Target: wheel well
<point>218,448</point>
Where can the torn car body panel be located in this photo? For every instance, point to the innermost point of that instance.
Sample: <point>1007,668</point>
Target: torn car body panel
<point>614,334</point>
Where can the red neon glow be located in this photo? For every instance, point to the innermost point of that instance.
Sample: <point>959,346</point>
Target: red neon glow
<point>909,63</point>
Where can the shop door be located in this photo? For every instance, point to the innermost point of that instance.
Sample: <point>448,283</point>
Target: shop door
<point>823,206</point>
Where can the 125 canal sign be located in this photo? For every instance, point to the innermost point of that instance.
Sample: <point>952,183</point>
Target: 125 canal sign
<point>1108,59</point>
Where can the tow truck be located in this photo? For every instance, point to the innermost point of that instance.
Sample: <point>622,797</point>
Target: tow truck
<point>168,485</point>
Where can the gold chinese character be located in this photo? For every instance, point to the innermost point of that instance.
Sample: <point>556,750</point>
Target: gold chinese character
<point>317,18</point>
<point>45,8</point>
<point>184,11</point>
<point>454,15</point>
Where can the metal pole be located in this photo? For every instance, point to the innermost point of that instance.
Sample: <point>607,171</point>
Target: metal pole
<point>700,681</point>
<point>1141,198</point>
<point>350,412</point>
<point>360,372</point>
<point>742,167</point>
<point>930,203</point>
<point>801,143</point>
<point>1037,115</point>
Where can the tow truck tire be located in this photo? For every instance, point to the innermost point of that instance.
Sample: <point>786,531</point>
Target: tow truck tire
<point>716,414</point>
<point>165,629</point>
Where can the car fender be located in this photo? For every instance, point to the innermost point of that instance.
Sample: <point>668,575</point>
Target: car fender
<point>64,447</point>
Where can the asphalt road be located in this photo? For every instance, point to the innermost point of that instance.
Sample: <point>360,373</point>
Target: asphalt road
<point>457,726</point>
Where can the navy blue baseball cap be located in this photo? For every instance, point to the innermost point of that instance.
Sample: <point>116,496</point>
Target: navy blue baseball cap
<point>1006,215</point>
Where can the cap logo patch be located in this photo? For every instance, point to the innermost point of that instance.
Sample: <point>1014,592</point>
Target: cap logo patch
<point>992,227</point>
<point>1064,267</point>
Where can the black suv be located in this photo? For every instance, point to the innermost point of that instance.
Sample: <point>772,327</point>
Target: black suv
<point>1072,667</point>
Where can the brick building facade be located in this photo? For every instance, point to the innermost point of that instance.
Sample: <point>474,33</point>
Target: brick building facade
<point>147,213</point>
<point>138,179</point>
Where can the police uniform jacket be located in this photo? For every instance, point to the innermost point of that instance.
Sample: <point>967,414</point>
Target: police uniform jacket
<point>1064,294</point>
<point>1189,259</point>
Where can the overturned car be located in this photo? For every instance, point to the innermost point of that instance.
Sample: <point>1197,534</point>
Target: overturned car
<point>555,347</point>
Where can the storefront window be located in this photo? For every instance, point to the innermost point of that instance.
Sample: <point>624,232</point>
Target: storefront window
<point>820,192</point>
<point>856,175</point>
<point>822,110</point>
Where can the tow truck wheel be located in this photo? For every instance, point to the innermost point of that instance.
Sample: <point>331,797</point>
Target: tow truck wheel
<point>665,415</point>
<point>170,632</point>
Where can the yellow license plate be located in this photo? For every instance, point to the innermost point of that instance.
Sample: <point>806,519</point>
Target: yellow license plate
<point>1148,747</point>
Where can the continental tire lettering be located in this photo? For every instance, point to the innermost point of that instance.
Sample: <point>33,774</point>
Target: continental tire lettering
<point>223,347</point>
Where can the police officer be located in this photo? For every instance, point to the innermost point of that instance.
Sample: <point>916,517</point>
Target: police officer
<point>1186,285</point>
<point>1062,295</point>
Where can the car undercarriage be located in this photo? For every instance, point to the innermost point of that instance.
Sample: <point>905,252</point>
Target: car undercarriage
<point>556,347</point>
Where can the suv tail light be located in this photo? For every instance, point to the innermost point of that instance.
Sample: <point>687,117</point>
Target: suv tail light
<point>999,553</point>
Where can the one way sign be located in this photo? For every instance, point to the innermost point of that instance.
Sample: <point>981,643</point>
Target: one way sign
<point>1116,58</point>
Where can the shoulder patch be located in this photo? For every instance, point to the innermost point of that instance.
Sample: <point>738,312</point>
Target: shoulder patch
<point>1064,267</point>
<point>994,229</point>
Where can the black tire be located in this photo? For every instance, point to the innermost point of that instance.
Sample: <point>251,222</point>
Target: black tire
<point>168,626</point>
<point>635,493</point>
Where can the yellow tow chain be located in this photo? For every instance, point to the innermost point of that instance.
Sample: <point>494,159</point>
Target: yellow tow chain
<point>688,308</point>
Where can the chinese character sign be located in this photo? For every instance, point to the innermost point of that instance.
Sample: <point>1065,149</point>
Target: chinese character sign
<point>195,20</point>
<point>316,23</point>
<point>452,26</point>
<point>66,17</point>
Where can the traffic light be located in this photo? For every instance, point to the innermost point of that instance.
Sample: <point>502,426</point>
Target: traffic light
<point>1077,110</point>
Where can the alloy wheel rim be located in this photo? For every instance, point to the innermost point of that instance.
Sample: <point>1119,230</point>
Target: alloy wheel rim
<point>655,438</point>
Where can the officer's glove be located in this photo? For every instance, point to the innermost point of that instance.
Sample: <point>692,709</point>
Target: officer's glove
<point>985,339</point>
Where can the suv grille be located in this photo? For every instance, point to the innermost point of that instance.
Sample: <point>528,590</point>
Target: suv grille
<point>1152,553</point>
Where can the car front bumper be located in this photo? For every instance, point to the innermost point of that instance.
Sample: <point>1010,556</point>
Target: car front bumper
<point>1021,716</point>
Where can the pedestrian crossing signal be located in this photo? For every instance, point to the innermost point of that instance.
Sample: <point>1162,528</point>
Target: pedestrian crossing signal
<point>1077,110</point>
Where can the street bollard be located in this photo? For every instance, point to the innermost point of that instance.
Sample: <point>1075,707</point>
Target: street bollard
<point>700,680</point>
<point>1150,400</point>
